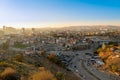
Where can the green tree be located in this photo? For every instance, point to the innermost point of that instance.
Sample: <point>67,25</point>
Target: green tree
<point>114,68</point>
<point>5,45</point>
<point>60,75</point>
<point>19,57</point>
<point>43,52</point>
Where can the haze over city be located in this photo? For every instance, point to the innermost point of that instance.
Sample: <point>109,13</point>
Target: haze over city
<point>59,39</point>
<point>59,13</point>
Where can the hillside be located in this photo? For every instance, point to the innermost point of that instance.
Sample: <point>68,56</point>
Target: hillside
<point>110,54</point>
<point>29,67</point>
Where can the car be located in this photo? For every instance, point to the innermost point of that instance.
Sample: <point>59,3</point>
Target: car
<point>84,77</point>
<point>88,64</point>
<point>88,54</point>
<point>76,70</point>
<point>68,69</point>
<point>92,69</point>
<point>76,54</point>
<point>74,66</point>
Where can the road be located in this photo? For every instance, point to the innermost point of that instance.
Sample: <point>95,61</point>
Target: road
<point>80,68</point>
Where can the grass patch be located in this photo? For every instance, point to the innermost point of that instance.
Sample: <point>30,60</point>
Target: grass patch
<point>19,45</point>
<point>5,64</point>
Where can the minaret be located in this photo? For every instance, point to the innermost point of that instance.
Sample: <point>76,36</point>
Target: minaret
<point>23,30</point>
<point>4,28</point>
<point>33,30</point>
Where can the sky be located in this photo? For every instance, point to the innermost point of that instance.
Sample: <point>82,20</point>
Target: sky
<point>59,13</point>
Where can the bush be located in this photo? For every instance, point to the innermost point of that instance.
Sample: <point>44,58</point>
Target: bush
<point>43,75</point>
<point>20,45</point>
<point>43,52</point>
<point>52,57</point>
<point>60,76</point>
<point>9,74</point>
<point>113,43</point>
<point>56,60</point>
<point>114,68</point>
<point>5,64</point>
<point>5,45</point>
<point>19,57</point>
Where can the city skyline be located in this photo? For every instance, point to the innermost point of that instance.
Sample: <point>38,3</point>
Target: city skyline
<point>59,13</point>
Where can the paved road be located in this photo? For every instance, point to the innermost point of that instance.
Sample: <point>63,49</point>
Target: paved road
<point>85,68</point>
<point>16,49</point>
<point>86,72</point>
<point>79,68</point>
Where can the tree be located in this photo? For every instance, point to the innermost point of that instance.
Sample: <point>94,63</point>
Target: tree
<point>43,52</point>
<point>114,68</point>
<point>19,57</point>
<point>60,76</point>
<point>52,57</point>
<point>5,45</point>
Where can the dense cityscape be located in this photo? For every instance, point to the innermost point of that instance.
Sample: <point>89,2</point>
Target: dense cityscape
<point>59,39</point>
<point>82,53</point>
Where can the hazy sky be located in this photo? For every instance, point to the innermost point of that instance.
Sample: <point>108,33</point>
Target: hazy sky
<point>42,13</point>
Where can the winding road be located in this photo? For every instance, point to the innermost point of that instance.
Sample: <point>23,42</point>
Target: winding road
<point>80,68</point>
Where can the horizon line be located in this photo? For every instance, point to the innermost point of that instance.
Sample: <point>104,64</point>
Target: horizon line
<point>60,26</point>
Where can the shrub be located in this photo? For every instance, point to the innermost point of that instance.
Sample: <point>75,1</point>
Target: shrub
<point>52,57</point>
<point>20,45</point>
<point>9,74</point>
<point>43,52</point>
<point>114,68</point>
<point>5,45</point>
<point>5,64</point>
<point>19,57</point>
<point>56,60</point>
<point>43,75</point>
<point>60,76</point>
